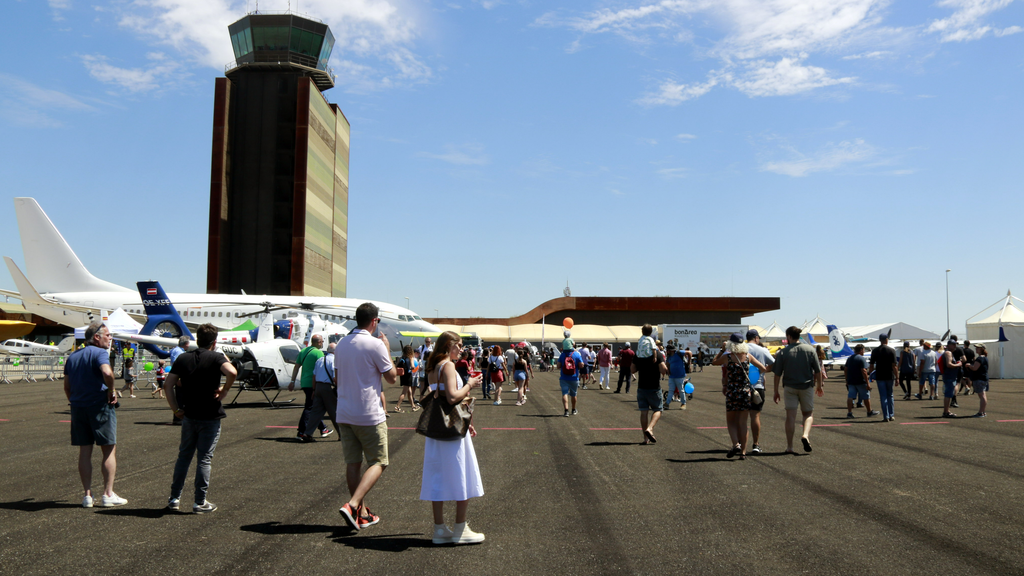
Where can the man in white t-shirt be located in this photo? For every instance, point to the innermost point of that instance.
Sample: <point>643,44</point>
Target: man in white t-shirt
<point>360,361</point>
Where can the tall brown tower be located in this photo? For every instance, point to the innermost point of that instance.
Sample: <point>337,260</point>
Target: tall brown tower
<point>279,183</point>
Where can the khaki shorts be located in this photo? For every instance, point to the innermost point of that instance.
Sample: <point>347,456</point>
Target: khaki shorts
<point>795,398</point>
<point>369,441</point>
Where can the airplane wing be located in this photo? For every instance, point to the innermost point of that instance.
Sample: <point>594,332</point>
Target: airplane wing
<point>28,294</point>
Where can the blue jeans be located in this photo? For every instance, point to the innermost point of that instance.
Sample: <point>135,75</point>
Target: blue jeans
<point>196,436</point>
<point>676,385</point>
<point>885,391</point>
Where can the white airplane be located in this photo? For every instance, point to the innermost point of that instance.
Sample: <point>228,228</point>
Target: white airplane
<point>62,289</point>
<point>15,347</point>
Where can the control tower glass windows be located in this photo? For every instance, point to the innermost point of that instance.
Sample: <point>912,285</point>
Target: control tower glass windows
<point>325,52</point>
<point>234,45</point>
<point>306,43</point>
<point>270,37</point>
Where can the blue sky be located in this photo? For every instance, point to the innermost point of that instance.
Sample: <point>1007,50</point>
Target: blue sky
<point>840,155</point>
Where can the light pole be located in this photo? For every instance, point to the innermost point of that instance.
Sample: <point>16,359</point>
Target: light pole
<point>407,302</point>
<point>436,313</point>
<point>947,299</point>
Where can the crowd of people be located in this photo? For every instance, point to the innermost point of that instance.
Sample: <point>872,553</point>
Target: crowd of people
<point>345,383</point>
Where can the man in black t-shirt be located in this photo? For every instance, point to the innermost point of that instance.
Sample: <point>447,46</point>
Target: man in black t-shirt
<point>966,376</point>
<point>883,363</point>
<point>198,372</point>
<point>648,391</point>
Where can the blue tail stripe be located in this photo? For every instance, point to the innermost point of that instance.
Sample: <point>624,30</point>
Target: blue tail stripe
<point>159,309</point>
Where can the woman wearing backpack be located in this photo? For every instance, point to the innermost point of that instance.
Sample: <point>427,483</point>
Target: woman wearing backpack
<point>496,364</point>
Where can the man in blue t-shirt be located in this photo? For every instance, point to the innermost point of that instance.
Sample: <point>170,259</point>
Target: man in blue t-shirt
<point>89,386</point>
<point>676,376</point>
<point>569,367</point>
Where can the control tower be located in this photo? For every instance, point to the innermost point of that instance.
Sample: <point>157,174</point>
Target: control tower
<point>279,181</point>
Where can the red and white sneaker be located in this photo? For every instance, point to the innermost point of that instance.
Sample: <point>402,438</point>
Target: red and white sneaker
<point>368,519</point>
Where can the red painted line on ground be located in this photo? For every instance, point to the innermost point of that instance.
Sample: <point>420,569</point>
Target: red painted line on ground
<point>64,421</point>
<point>2,420</point>
<point>614,428</point>
<point>400,428</point>
<point>709,427</point>
<point>510,428</point>
<point>826,425</point>
<point>280,426</point>
<point>909,423</point>
<point>996,420</point>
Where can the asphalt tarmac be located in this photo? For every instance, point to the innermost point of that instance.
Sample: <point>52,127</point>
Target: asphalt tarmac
<point>577,495</point>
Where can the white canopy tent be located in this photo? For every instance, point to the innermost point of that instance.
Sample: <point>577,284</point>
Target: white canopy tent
<point>1005,359</point>
<point>118,322</point>
<point>816,327</point>
<point>772,333</point>
<point>534,333</point>
<point>900,331</point>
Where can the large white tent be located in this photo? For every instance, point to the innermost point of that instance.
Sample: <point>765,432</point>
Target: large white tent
<point>772,333</point>
<point>535,333</point>
<point>1006,359</point>
<point>118,322</point>
<point>900,331</point>
<point>816,327</point>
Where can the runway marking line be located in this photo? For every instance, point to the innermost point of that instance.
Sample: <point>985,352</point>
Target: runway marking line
<point>64,421</point>
<point>3,420</point>
<point>996,420</point>
<point>827,425</point>
<point>911,423</point>
<point>513,428</point>
<point>613,428</point>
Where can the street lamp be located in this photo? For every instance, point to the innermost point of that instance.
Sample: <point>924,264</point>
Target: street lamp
<point>947,299</point>
<point>436,313</point>
<point>407,302</point>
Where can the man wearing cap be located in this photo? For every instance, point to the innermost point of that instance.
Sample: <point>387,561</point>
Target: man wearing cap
<point>926,371</point>
<point>950,376</point>
<point>765,357</point>
<point>626,356</point>
<point>797,368</point>
<point>883,364</point>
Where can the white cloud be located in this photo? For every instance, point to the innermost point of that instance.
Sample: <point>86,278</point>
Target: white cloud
<point>762,48</point>
<point>686,137</point>
<point>830,157</point>
<point>868,55</point>
<point>146,79</point>
<point>672,94</point>
<point>963,25</point>
<point>1008,31</point>
<point>783,78</point>
<point>671,173</point>
<point>59,6</point>
<point>467,155</point>
<point>376,36</point>
<point>27,104</point>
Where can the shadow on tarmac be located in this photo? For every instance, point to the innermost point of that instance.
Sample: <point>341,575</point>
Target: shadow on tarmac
<point>278,529</point>
<point>387,543</point>
<point>30,505</point>
<point>613,444</point>
<point>147,513</point>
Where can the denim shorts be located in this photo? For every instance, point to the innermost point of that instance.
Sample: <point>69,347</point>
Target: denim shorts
<point>93,425</point>
<point>949,387</point>
<point>980,386</point>
<point>569,387</point>
<point>650,400</point>
<point>855,390</point>
<point>519,375</point>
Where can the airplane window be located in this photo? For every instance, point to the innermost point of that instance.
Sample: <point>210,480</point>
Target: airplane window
<point>220,314</point>
<point>289,354</point>
<point>206,314</point>
<point>417,318</point>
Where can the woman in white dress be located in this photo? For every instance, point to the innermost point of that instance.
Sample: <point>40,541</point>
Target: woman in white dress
<point>450,470</point>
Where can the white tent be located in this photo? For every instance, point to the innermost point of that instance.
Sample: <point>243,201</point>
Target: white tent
<point>772,333</point>
<point>816,327</point>
<point>533,333</point>
<point>118,322</point>
<point>1005,359</point>
<point>900,331</point>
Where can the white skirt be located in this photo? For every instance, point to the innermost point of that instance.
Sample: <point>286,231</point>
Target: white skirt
<point>450,471</point>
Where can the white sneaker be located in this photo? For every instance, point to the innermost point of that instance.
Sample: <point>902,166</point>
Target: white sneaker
<point>203,508</point>
<point>87,502</point>
<point>111,501</point>
<point>442,534</point>
<point>463,535</point>
<point>497,402</point>
<point>173,504</point>
<point>515,390</point>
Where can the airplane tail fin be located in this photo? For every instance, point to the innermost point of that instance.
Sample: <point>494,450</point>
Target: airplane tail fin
<point>49,260</point>
<point>265,333</point>
<point>27,292</point>
<point>162,319</point>
<point>837,342</point>
<point>67,344</point>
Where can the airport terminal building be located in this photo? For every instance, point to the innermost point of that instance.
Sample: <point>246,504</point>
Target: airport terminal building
<point>279,181</point>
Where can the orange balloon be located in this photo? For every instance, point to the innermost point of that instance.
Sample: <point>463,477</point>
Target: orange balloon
<point>567,323</point>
